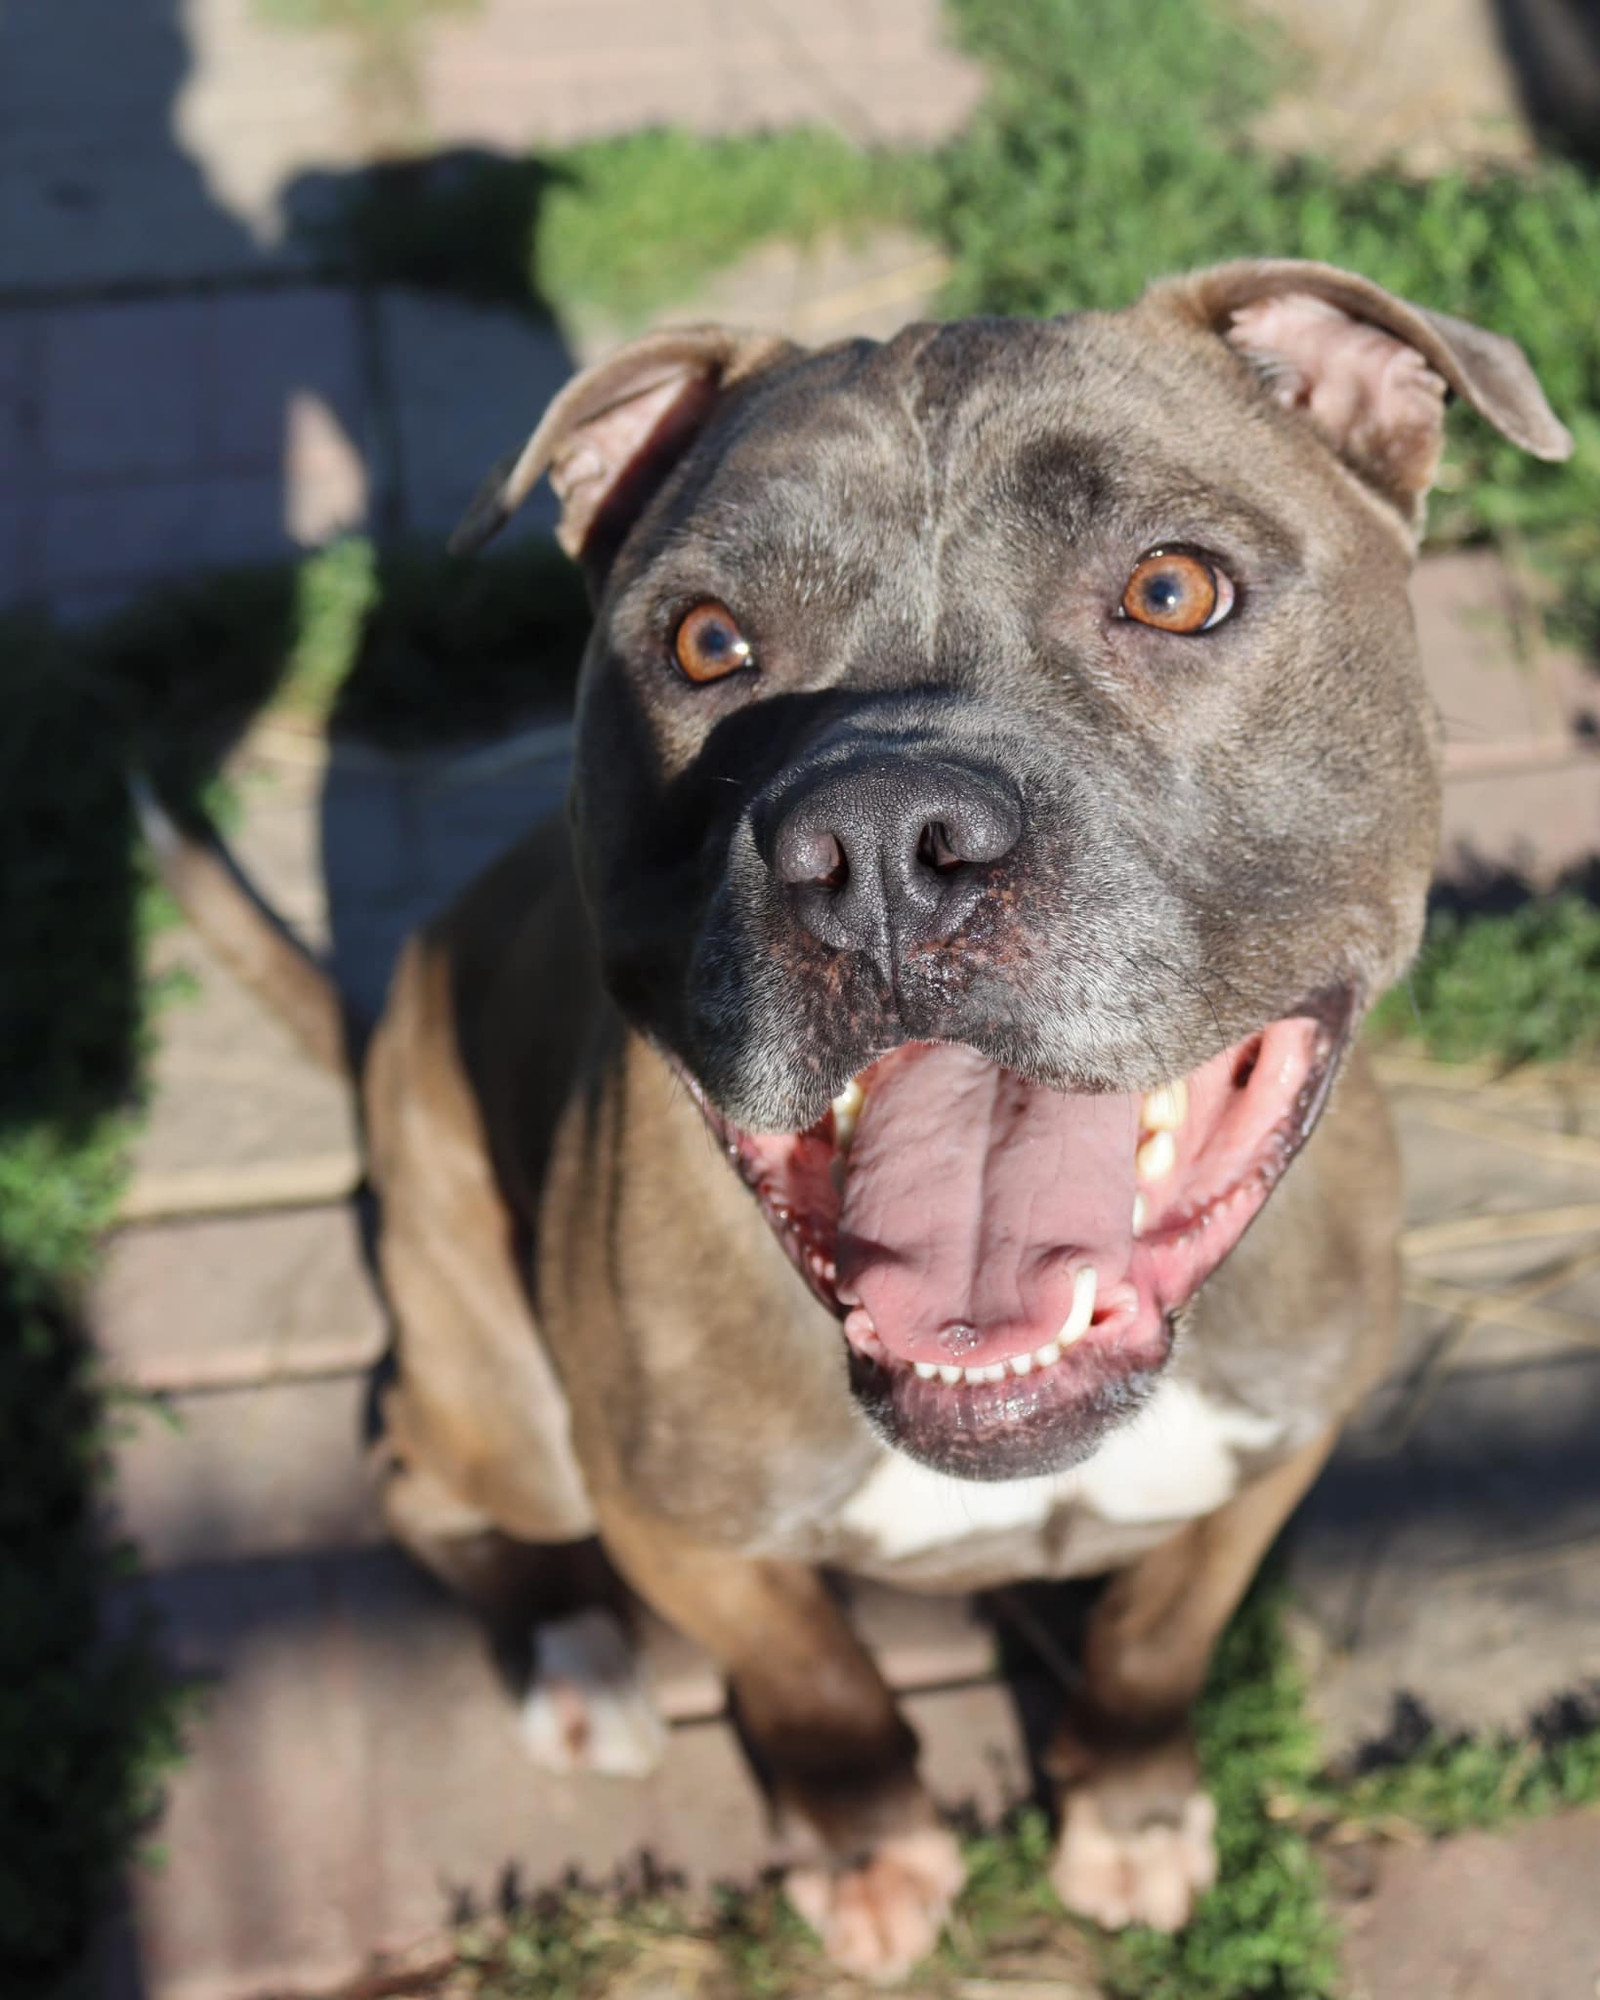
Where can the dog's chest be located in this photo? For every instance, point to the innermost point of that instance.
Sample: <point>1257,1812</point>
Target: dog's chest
<point>1177,1460</point>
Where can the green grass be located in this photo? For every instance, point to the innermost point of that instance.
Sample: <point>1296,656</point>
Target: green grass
<point>1452,1784</point>
<point>387,17</point>
<point>1515,988</point>
<point>634,222</point>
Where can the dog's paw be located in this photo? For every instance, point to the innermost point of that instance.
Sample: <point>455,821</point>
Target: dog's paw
<point>588,1706</point>
<point>878,1918</point>
<point>1146,1874</point>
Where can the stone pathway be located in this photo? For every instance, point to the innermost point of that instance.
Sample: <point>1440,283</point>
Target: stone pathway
<point>1482,1917</point>
<point>202,126</point>
<point>355,1777</point>
<point>148,440</point>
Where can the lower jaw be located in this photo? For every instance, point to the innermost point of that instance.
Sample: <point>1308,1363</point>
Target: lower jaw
<point>1024,1427</point>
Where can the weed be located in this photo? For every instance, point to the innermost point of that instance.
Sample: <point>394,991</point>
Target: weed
<point>1519,987</point>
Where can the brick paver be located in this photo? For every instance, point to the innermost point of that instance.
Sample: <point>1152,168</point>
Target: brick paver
<point>1451,1553</point>
<point>1522,777</point>
<point>1482,1918</point>
<point>182,150</point>
<point>355,1778</point>
<point>148,440</point>
<point>1428,83</point>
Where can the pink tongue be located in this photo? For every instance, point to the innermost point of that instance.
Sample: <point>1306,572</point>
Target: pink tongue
<point>972,1197</point>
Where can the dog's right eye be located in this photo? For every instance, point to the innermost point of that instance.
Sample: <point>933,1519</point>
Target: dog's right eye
<point>708,644</point>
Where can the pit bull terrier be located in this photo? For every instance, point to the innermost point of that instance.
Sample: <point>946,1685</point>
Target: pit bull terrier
<point>909,1123</point>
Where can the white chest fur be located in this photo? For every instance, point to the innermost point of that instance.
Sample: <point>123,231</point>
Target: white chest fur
<point>1173,1462</point>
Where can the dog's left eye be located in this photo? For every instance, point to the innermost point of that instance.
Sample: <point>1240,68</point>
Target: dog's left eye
<point>708,644</point>
<point>1177,592</point>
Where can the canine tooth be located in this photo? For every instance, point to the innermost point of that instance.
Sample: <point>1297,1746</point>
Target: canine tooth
<point>1044,1357</point>
<point>1076,1324</point>
<point>1164,1110</point>
<point>926,1370</point>
<point>846,1110</point>
<point>1021,1364</point>
<point>948,1375</point>
<point>1156,1157</point>
<point>1138,1214</point>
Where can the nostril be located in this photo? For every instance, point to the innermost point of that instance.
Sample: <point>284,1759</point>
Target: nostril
<point>936,850</point>
<point>805,855</point>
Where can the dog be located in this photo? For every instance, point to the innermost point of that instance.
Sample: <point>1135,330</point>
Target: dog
<point>909,1120</point>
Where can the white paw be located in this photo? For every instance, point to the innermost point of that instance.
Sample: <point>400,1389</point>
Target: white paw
<point>878,1919</point>
<point>1148,1875</point>
<point>589,1706</point>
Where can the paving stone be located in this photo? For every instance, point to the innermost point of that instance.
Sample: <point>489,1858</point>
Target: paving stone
<point>832,289</point>
<point>15,570</point>
<point>1482,651</point>
<point>1522,780</point>
<point>234,1474</point>
<point>1430,83</point>
<point>1482,1917</point>
<point>126,534</point>
<point>126,388</point>
<point>1448,1173</point>
<point>229,1086</point>
<point>553,72</point>
<point>467,387</point>
<point>278,839</point>
<point>94,186</point>
<point>243,519</point>
<point>270,347</point>
<point>1463,1568</point>
<point>18,397</point>
<point>1535,824</point>
<point>402,834</point>
<point>233,1300</point>
<point>355,1780</point>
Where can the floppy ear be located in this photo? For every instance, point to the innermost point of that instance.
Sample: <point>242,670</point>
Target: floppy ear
<point>614,430</point>
<point>1369,371</point>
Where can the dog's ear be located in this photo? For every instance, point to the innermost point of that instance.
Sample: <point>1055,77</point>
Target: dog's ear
<point>615,429</point>
<point>1369,370</point>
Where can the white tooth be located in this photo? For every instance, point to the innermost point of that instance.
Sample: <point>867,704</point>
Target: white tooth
<point>1164,1110</point>
<point>926,1370</point>
<point>1138,1215</point>
<point>1156,1157</point>
<point>846,1110</point>
<point>950,1374</point>
<point>1045,1356</point>
<point>994,1372</point>
<point>1076,1324</point>
<point>1021,1364</point>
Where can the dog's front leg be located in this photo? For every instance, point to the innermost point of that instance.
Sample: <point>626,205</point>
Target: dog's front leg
<point>825,1731</point>
<point>1136,1841</point>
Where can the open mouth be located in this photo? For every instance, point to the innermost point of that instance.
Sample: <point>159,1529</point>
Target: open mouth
<point>1006,1258</point>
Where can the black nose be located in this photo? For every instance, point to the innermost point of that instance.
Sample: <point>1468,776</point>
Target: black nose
<point>888,851</point>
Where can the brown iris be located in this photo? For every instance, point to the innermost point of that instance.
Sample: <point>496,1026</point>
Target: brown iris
<point>708,644</point>
<point>1177,592</point>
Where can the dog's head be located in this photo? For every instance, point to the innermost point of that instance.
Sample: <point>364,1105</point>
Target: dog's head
<point>1003,778</point>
